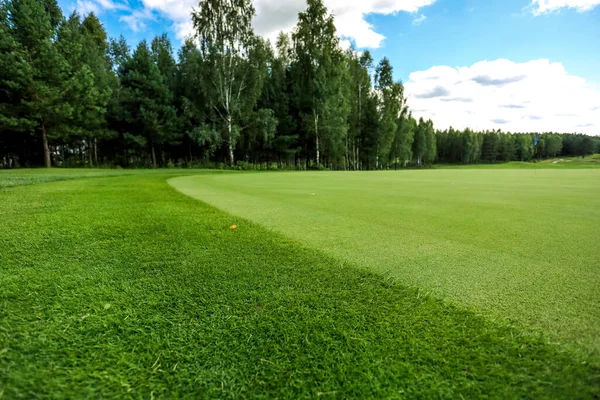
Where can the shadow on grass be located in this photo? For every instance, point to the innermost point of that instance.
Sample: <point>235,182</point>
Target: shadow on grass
<point>126,288</point>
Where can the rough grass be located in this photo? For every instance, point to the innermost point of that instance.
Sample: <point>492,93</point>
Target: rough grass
<point>12,178</point>
<point>513,244</point>
<point>121,287</point>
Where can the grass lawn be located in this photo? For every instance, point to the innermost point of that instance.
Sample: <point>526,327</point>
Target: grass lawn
<point>122,287</point>
<point>36,176</point>
<point>556,163</point>
<point>511,243</point>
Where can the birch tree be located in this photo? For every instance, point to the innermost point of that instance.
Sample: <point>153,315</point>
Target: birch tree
<point>228,43</point>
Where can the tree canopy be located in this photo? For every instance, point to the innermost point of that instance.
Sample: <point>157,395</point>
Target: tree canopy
<point>72,96</point>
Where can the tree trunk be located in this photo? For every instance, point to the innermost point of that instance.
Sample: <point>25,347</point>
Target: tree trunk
<point>347,166</point>
<point>317,136</point>
<point>96,151</point>
<point>47,160</point>
<point>230,131</point>
<point>153,156</point>
<point>90,153</point>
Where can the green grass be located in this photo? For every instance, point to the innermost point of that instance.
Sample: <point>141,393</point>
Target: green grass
<point>513,244</point>
<point>11,178</point>
<point>121,287</point>
<point>555,163</point>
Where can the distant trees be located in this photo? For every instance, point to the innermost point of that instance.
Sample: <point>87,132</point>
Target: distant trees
<point>468,147</point>
<point>71,96</point>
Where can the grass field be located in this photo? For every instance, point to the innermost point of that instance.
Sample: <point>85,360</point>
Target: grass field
<point>511,243</point>
<point>556,163</point>
<point>121,287</point>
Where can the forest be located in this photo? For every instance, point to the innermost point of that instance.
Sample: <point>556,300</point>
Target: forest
<point>71,96</point>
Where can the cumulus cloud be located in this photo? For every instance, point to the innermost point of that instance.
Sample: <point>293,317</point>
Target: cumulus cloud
<point>486,80</point>
<point>535,96</point>
<point>545,6</point>
<point>438,91</point>
<point>274,16</point>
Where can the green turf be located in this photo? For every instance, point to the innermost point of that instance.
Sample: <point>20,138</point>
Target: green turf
<point>516,244</point>
<point>11,178</point>
<point>120,287</point>
<point>555,163</point>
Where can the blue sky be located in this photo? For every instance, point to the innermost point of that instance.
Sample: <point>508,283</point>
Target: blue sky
<point>439,47</point>
<point>462,32</point>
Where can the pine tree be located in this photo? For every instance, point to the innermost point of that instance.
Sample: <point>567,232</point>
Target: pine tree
<point>489,147</point>
<point>86,91</point>
<point>33,71</point>
<point>277,97</point>
<point>192,103</point>
<point>146,101</point>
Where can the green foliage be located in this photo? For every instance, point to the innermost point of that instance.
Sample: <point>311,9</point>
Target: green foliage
<point>392,103</point>
<point>146,100</point>
<point>234,59</point>
<point>319,76</point>
<point>33,71</point>
<point>71,96</point>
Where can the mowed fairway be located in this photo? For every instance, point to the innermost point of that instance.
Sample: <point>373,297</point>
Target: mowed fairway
<point>122,287</point>
<point>513,244</point>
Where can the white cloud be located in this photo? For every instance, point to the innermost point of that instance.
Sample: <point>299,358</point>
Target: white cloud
<point>85,7</point>
<point>545,6</point>
<point>534,96</point>
<point>419,19</point>
<point>137,19</point>
<point>274,16</point>
<point>98,6</point>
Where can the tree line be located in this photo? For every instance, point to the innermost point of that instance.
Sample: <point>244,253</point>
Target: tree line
<point>468,147</point>
<point>71,96</point>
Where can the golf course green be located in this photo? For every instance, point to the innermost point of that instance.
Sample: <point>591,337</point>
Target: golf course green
<point>516,244</point>
<point>412,284</point>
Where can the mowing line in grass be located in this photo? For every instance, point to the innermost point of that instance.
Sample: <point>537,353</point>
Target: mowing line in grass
<point>513,244</point>
<point>124,288</point>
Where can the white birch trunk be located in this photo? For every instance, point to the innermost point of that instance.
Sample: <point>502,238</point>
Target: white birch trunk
<point>230,131</point>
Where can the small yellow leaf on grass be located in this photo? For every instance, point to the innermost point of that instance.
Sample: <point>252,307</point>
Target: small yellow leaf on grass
<point>233,227</point>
